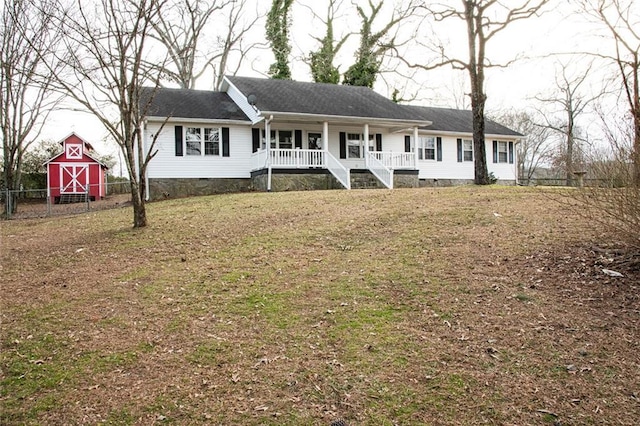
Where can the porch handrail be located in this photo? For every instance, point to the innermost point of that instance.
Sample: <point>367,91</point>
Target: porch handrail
<point>289,158</point>
<point>379,170</point>
<point>338,170</point>
<point>395,160</point>
<point>259,159</point>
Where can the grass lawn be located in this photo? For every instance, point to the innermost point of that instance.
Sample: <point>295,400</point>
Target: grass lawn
<point>428,306</point>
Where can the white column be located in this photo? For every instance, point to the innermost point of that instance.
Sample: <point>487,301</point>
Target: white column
<point>415,146</point>
<point>325,141</point>
<point>366,144</point>
<point>267,138</point>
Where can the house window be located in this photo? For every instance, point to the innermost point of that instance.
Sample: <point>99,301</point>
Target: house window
<point>503,153</point>
<point>212,141</point>
<point>353,145</point>
<point>467,150</point>
<point>194,140</point>
<point>285,139</point>
<point>280,139</point>
<point>196,144</point>
<point>315,141</point>
<point>427,149</point>
<point>273,139</point>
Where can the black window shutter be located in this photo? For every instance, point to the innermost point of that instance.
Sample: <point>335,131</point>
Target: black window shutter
<point>298,138</point>
<point>439,148</point>
<point>343,145</point>
<point>495,151</point>
<point>178,141</point>
<point>510,152</point>
<point>255,134</point>
<point>378,142</point>
<point>225,141</point>
<point>459,150</point>
<point>407,143</point>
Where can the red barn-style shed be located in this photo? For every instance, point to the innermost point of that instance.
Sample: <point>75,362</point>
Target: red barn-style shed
<point>74,175</point>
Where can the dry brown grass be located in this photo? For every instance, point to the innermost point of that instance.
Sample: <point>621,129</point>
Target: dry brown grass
<point>431,306</point>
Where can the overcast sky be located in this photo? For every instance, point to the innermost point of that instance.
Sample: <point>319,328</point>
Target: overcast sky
<point>543,42</point>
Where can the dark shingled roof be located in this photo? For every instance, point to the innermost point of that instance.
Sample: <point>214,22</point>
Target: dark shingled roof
<point>460,120</point>
<point>189,103</point>
<point>288,96</point>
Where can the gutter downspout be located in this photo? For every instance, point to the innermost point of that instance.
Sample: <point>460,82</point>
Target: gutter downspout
<point>143,141</point>
<point>325,142</point>
<point>366,146</point>
<point>267,137</point>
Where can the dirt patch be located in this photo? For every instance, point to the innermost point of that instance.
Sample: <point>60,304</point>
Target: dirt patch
<point>39,208</point>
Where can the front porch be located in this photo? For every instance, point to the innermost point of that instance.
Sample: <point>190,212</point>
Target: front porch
<point>299,169</point>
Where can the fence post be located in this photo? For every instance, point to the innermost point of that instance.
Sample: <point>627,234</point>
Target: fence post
<point>86,195</point>
<point>9,204</point>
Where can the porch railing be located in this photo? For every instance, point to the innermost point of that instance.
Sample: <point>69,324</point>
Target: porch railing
<point>288,158</point>
<point>296,158</point>
<point>339,171</point>
<point>259,160</point>
<point>379,170</point>
<point>395,160</point>
<point>301,158</point>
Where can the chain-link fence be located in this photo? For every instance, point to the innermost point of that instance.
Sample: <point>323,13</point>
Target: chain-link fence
<point>34,203</point>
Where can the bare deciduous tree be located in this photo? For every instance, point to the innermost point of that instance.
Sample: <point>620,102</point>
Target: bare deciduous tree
<point>179,28</point>
<point>238,26</point>
<point>571,102</point>
<point>536,148</point>
<point>621,19</point>
<point>185,29</point>
<point>28,38</point>
<point>107,49</point>
<point>484,20</point>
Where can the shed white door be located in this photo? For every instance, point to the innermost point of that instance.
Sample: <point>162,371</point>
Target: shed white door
<point>74,179</point>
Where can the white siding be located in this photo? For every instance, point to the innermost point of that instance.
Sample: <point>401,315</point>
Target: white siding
<point>238,165</point>
<point>450,168</point>
<point>167,165</point>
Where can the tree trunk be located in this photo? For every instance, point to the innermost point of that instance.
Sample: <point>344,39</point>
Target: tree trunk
<point>481,174</point>
<point>569,160</point>
<point>139,209</point>
<point>636,140</point>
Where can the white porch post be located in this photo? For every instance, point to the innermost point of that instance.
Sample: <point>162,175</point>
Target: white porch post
<point>366,144</point>
<point>415,147</point>
<point>267,138</point>
<point>325,141</point>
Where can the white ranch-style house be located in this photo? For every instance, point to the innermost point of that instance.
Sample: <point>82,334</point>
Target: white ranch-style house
<point>277,135</point>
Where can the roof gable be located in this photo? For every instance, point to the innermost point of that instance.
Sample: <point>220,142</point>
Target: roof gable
<point>74,139</point>
<point>190,103</point>
<point>295,97</point>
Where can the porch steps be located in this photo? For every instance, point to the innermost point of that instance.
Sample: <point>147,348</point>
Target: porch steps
<point>365,180</point>
<point>72,198</point>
